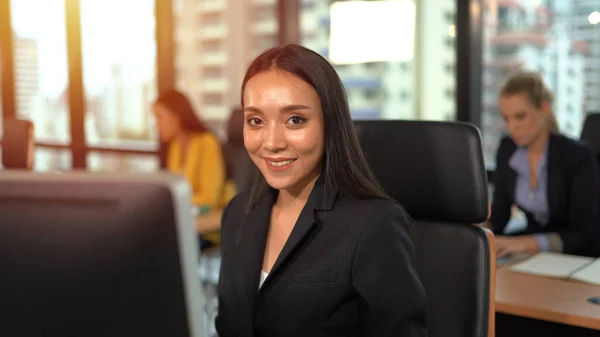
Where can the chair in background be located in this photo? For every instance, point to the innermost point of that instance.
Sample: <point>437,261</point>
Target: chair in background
<point>17,144</point>
<point>243,170</point>
<point>239,169</point>
<point>590,133</point>
<point>435,170</point>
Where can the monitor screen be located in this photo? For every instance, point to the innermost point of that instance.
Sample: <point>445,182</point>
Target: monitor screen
<point>88,254</point>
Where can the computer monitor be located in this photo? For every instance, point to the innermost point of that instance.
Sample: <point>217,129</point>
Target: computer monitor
<point>90,254</point>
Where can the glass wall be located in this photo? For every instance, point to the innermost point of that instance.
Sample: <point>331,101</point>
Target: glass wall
<point>46,159</point>
<point>215,41</point>
<point>119,76</point>
<point>111,162</point>
<point>119,70</point>
<point>40,67</point>
<point>561,40</point>
<point>412,77</point>
<point>1,115</point>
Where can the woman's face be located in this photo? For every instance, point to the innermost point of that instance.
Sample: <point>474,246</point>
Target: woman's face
<point>523,121</point>
<point>167,122</point>
<point>284,129</point>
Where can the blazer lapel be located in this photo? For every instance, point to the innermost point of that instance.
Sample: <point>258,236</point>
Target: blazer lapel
<point>554,175</point>
<point>321,198</point>
<point>303,225</point>
<point>253,240</point>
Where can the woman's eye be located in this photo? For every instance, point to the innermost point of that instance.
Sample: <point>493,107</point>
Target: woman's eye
<point>296,120</point>
<point>254,121</point>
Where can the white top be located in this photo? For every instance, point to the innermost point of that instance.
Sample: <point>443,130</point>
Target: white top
<point>263,277</point>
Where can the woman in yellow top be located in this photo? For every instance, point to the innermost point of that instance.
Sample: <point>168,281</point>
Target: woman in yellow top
<point>194,151</point>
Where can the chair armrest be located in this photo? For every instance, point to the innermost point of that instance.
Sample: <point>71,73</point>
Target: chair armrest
<point>492,285</point>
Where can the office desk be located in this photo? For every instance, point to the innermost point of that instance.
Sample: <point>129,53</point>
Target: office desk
<point>547,299</point>
<point>210,222</point>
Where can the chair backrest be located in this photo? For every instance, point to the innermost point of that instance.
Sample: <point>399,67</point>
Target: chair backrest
<point>590,133</point>
<point>17,139</point>
<point>242,169</point>
<point>436,171</point>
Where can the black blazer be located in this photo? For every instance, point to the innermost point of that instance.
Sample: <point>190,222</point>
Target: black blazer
<point>572,191</point>
<point>347,269</point>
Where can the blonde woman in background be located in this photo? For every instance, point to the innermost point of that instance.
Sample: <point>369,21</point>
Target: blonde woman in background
<point>551,178</point>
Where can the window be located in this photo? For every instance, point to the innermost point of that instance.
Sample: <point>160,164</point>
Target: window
<point>212,72</point>
<point>307,4</point>
<point>405,66</point>
<point>119,72</point>
<point>404,95</point>
<point>373,66</point>
<point>450,17</point>
<point>568,127</point>
<point>435,32</point>
<point>1,115</point>
<point>40,68</point>
<point>46,159</point>
<point>558,51</point>
<point>211,46</point>
<point>111,162</point>
<point>371,94</point>
<point>264,14</point>
<point>211,19</point>
<point>211,77</point>
<point>212,99</point>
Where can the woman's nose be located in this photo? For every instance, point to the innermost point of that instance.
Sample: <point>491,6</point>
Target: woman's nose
<point>275,138</point>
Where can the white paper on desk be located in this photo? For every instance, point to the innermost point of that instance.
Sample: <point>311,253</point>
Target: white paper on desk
<point>589,273</point>
<point>552,265</point>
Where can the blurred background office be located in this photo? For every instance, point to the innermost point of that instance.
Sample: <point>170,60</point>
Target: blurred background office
<point>90,91</point>
<point>85,73</point>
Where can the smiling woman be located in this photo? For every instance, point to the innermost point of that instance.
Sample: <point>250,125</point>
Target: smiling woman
<point>318,231</point>
<point>284,130</point>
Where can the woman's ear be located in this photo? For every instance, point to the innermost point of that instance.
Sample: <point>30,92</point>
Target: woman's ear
<point>545,108</point>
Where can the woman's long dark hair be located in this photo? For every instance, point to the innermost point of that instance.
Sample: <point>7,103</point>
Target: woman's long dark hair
<point>180,105</point>
<point>344,164</point>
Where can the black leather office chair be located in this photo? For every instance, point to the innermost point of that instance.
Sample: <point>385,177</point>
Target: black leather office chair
<point>591,132</point>
<point>436,171</point>
<point>239,165</point>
